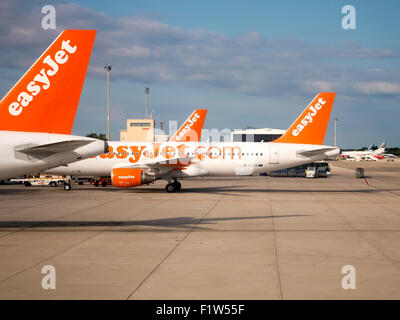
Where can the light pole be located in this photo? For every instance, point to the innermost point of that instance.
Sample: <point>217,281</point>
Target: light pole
<point>335,130</point>
<point>146,91</point>
<point>108,69</point>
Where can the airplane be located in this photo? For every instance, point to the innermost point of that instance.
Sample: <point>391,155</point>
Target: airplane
<point>189,131</point>
<point>389,156</point>
<point>135,164</point>
<point>38,113</point>
<point>346,154</point>
<point>366,155</point>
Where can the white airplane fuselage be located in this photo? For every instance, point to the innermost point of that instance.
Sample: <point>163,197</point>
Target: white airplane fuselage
<point>206,159</point>
<point>365,153</point>
<point>15,163</point>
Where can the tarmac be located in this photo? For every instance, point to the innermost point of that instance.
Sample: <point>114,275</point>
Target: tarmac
<point>218,238</point>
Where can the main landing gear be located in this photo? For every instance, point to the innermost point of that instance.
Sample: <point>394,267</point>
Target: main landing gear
<point>173,186</point>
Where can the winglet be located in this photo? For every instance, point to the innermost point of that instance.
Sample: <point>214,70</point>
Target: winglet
<point>310,127</point>
<point>192,127</point>
<point>46,98</point>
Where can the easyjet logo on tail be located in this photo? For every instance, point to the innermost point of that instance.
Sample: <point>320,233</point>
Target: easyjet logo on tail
<point>46,97</point>
<point>192,127</point>
<point>308,118</point>
<point>187,127</point>
<point>310,127</point>
<point>41,79</point>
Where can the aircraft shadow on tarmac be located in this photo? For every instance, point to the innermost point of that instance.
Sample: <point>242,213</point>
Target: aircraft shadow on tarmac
<point>233,189</point>
<point>187,223</point>
<point>222,190</point>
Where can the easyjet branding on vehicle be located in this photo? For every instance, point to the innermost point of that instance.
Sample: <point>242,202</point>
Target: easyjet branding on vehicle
<point>126,177</point>
<point>135,153</point>
<point>42,79</point>
<point>308,118</point>
<point>187,127</point>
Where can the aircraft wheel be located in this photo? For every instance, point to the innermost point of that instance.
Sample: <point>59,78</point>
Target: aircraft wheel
<point>170,187</point>
<point>67,187</point>
<point>178,185</point>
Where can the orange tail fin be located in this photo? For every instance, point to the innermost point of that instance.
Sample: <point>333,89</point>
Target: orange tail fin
<point>45,99</point>
<point>310,127</point>
<point>191,129</point>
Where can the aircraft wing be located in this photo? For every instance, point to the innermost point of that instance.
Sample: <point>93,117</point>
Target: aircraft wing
<point>389,155</point>
<point>158,165</point>
<point>52,148</point>
<point>314,152</point>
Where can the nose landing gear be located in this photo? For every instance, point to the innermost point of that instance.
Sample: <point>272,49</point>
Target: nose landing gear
<point>173,186</point>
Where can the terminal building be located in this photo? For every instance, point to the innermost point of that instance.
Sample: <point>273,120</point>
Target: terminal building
<point>144,130</point>
<point>256,135</point>
<point>141,130</point>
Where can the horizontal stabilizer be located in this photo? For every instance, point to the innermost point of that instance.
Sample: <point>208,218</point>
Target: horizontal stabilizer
<point>51,148</point>
<point>314,152</point>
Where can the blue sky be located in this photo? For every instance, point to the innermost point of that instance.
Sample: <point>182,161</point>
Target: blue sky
<point>311,20</point>
<point>251,63</point>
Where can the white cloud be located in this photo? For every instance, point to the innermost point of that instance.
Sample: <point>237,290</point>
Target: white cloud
<point>133,52</point>
<point>379,87</point>
<point>147,51</point>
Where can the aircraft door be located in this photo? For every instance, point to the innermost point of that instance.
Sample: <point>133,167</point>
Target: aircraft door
<point>274,155</point>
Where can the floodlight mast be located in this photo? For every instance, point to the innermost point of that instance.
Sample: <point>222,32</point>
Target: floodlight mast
<point>146,91</point>
<point>336,120</point>
<point>108,69</point>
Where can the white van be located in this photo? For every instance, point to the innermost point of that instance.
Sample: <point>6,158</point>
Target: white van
<point>311,172</point>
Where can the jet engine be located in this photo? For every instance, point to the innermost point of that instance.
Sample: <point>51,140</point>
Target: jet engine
<point>128,177</point>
